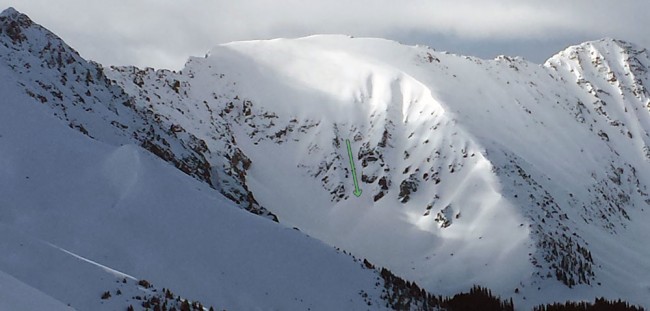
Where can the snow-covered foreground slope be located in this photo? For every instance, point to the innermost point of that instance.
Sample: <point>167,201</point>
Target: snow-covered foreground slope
<point>502,173</point>
<point>78,216</point>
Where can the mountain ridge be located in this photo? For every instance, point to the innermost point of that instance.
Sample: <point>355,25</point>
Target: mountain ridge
<point>119,117</point>
<point>377,94</point>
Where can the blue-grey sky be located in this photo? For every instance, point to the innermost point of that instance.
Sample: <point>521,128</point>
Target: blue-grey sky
<point>163,33</point>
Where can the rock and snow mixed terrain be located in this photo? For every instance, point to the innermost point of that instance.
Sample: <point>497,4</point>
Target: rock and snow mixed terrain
<point>79,215</point>
<point>529,179</point>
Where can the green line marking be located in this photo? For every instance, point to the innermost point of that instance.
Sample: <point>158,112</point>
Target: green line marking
<point>357,190</point>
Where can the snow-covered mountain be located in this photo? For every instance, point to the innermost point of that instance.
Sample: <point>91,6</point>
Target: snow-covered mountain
<point>78,92</point>
<point>501,173</point>
<point>88,211</point>
<point>528,179</point>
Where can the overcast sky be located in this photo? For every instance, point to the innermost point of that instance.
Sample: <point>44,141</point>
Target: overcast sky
<point>163,33</point>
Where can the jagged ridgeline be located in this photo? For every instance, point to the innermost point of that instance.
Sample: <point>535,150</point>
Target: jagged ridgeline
<point>521,177</point>
<point>78,92</point>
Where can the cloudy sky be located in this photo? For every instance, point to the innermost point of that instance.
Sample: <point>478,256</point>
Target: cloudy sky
<point>163,33</point>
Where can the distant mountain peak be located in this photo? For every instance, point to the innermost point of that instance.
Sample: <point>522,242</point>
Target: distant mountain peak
<point>21,35</point>
<point>10,15</point>
<point>10,11</point>
<point>608,42</point>
<point>602,46</point>
<point>12,23</point>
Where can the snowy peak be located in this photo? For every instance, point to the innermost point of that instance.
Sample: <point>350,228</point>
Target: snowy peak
<point>599,48</point>
<point>80,93</point>
<point>620,63</point>
<point>615,76</point>
<point>10,11</point>
<point>609,53</point>
<point>19,32</point>
<point>15,19</point>
<point>13,26</point>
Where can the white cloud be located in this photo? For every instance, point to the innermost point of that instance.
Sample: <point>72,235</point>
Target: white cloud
<point>163,33</point>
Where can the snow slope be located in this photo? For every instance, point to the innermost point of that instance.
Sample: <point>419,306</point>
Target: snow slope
<point>496,172</point>
<point>79,215</point>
